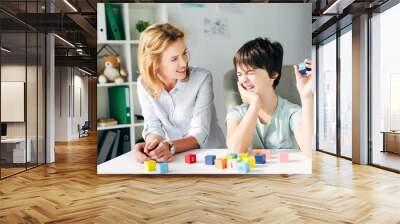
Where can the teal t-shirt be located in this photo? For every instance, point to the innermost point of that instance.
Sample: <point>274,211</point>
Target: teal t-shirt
<point>278,132</point>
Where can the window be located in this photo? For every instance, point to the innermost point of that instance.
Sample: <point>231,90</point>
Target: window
<point>346,92</point>
<point>22,75</point>
<point>327,96</point>
<point>385,88</point>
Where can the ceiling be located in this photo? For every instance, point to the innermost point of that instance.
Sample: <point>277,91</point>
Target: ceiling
<point>76,24</point>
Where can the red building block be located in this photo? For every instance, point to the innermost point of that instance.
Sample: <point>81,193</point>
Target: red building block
<point>190,158</point>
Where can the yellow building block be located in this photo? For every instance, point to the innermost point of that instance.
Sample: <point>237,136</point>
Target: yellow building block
<point>243,155</point>
<point>251,160</point>
<point>150,165</point>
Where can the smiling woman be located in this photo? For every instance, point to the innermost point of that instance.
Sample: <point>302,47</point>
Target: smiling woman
<point>177,101</point>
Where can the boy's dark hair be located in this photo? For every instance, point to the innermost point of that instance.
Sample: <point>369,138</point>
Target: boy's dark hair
<point>261,53</point>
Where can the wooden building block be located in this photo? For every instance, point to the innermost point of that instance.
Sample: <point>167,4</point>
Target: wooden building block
<point>260,158</point>
<point>232,163</point>
<point>190,158</point>
<point>243,167</point>
<point>221,163</point>
<point>251,160</point>
<point>233,155</point>
<point>258,151</point>
<point>162,167</point>
<point>210,159</point>
<point>150,165</point>
<point>243,155</point>
<point>284,157</point>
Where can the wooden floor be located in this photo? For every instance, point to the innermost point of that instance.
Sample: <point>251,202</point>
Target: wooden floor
<point>70,191</point>
<point>387,159</point>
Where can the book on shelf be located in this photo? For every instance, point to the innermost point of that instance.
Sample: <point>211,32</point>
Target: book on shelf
<point>120,108</point>
<point>105,147</point>
<point>114,152</point>
<point>126,144</point>
<point>104,122</point>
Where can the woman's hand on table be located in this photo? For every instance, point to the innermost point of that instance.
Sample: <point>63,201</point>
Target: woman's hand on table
<point>151,145</point>
<point>161,153</point>
<point>139,153</point>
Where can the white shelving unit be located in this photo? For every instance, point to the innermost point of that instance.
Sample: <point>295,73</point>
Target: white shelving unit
<point>113,127</point>
<point>127,49</point>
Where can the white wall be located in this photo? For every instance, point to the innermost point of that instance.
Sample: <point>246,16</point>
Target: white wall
<point>290,24</point>
<point>80,82</point>
<point>61,103</point>
<point>66,120</point>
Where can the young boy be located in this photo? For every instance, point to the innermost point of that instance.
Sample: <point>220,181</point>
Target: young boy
<point>266,120</point>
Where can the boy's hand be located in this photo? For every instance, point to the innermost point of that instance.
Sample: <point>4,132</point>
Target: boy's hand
<point>248,97</point>
<point>304,83</point>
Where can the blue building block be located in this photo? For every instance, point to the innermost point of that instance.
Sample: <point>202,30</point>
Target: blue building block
<point>162,167</point>
<point>302,69</point>
<point>260,158</point>
<point>243,167</point>
<point>210,159</point>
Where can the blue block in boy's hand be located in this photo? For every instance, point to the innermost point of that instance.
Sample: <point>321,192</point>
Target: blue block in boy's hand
<point>162,167</point>
<point>260,158</point>
<point>210,159</point>
<point>302,69</point>
<point>243,167</point>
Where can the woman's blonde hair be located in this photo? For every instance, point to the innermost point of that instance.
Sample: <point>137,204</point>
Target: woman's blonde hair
<point>153,42</point>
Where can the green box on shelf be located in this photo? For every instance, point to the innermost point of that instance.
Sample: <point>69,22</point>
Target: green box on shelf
<point>114,22</point>
<point>120,108</point>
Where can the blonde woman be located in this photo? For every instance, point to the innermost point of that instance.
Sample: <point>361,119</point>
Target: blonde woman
<point>177,100</point>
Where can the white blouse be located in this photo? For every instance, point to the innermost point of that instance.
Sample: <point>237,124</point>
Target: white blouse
<point>188,109</point>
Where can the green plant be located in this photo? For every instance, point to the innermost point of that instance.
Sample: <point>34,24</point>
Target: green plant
<point>141,25</point>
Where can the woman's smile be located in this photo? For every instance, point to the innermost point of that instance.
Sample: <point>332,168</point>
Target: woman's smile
<point>181,71</point>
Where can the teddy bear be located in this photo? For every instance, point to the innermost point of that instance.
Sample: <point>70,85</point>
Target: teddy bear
<point>112,71</point>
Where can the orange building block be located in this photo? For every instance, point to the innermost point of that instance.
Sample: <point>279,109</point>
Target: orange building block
<point>267,152</point>
<point>221,163</point>
<point>258,151</point>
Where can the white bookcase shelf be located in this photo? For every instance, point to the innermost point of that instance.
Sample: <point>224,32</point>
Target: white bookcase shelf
<point>127,49</point>
<point>113,84</point>
<point>116,42</point>
<point>113,127</point>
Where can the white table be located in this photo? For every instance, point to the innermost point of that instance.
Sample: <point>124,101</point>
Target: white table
<point>126,164</point>
<point>19,155</point>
